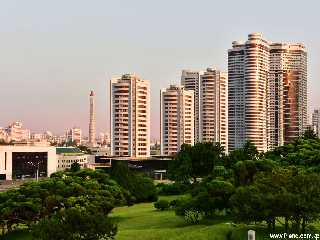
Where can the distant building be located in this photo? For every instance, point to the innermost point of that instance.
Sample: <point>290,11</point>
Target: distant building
<point>16,132</point>
<point>176,119</point>
<point>316,121</point>
<point>27,161</point>
<point>92,120</point>
<point>130,116</point>
<point>104,139</point>
<point>74,135</point>
<point>3,135</point>
<point>66,156</point>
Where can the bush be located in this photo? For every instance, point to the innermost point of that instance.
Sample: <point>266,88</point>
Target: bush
<point>173,203</point>
<point>74,223</point>
<point>183,205</point>
<point>172,189</point>
<point>193,216</point>
<point>162,205</point>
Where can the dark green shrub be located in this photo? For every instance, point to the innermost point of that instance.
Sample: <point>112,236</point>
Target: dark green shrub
<point>162,205</point>
<point>172,188</point>
<point>173,203</point>
<point>182,205</point>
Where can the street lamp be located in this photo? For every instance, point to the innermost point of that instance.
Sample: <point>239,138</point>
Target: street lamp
<point>37,166</point>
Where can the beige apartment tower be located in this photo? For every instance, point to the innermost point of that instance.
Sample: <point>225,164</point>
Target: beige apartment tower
<point>176,119</point>
<point>130,116</point>
<point>211,104</point>
<point>267,90</point>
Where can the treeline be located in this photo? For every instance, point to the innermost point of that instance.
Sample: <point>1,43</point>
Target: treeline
<point>279,187</point>
<point>72,204</point>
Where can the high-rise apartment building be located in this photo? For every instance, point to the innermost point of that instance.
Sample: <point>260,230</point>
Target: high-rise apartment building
<point>211,104</point>
<point>130,116</point>
<point>287,93</point>
<point>267,92</point>
<point>191,81</point>
<point>176,119</point>
<point>92,120</point>
<point>316,122</point>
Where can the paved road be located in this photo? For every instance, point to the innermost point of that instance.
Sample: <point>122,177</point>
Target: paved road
<point>7,185</point>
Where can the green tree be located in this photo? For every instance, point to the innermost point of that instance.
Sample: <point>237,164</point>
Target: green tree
<point>196,161</point>
<point>75,224</point>
<point>75,167</point>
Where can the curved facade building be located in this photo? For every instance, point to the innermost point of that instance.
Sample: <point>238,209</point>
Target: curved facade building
<point>267,92</point>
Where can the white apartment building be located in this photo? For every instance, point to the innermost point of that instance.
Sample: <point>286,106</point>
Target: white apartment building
<point>214,107</point>
<point>211,104</point>
<point>267,92</point>
<point>191,81</point>
<point>27,161</point>
<point>130,116</point>
<point>176,119</point>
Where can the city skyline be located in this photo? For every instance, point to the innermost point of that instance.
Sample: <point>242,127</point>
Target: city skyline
<point>32,61</point>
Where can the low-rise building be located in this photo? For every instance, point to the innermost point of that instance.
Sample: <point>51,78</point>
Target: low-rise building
<point>66,156</point>
<point>26,161</point>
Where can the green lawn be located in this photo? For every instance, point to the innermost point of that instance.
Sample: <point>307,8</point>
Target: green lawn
<point>144,222</point>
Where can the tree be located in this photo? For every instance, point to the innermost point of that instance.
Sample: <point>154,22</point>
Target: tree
<point>75,224</point>
<point>247,152</point>
<point>75,167</point>
<point>196,161</point>
<point>310,134</point>
<point>180,169</point>
<point>140,186</point>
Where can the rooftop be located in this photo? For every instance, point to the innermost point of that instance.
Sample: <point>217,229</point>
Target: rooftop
<point>68,150</point>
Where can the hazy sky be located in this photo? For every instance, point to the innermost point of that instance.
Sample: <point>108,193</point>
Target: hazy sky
<point>52,52</point>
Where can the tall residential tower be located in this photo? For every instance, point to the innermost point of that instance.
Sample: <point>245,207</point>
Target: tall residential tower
<point>92,122</point>
<point>176,119</point>
<point>267,92</point>
<point>211,104</point>
<point>130,116</point>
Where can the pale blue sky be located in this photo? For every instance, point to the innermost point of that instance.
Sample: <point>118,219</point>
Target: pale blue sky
<point>53,52</point>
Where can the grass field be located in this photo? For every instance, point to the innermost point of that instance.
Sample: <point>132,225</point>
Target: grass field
<point>144,222</point>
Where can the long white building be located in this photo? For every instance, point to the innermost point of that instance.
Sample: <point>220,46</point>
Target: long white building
<point>267,92</point>
<point>176,119</point>
<point>130,116</point>
<point>211,104</point>
<point>27,161</point>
